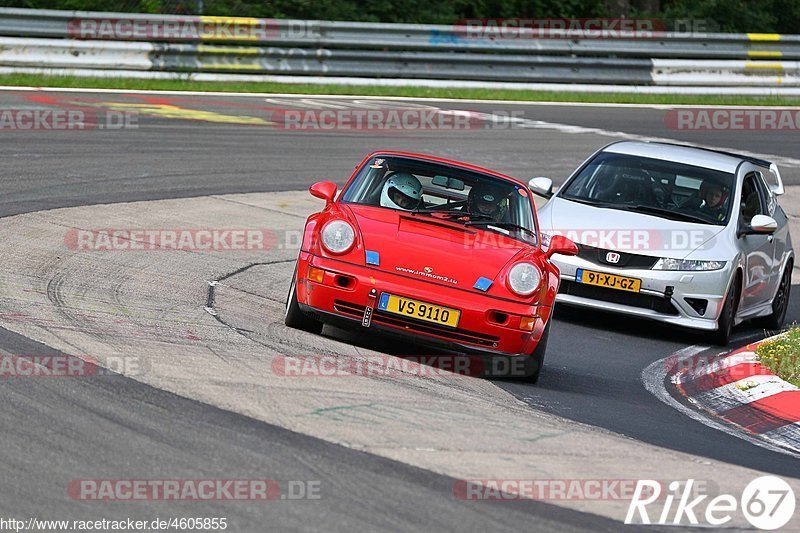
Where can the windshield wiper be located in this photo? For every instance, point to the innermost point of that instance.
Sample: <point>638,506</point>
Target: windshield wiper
<point>666,213</point>
<point>452,214</point>
<point>593,203</point>
<point>504,225</point>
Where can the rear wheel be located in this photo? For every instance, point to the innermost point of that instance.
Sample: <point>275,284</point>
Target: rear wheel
<point>725,323</point>
<point>537,357</point>
<point>781,302</point>
<point>294,316</point>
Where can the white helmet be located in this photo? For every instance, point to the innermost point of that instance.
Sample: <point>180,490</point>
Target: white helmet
<point>401,191</point>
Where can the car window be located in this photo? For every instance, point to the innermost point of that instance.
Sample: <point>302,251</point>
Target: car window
<point>752,202</point>
<point>766,194</point>
<point>665,189</point>
<point>438,189</point>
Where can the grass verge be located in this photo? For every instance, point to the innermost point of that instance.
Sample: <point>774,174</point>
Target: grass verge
<point>782,356</point>
<point>36,80</point>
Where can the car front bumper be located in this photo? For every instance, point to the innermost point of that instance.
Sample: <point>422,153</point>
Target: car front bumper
<point>477,332</point>
<point>665,295</point>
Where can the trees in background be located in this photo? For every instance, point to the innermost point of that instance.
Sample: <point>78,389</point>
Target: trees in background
<point>779,16</point>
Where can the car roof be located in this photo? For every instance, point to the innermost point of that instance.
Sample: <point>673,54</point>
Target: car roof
<point>445,161</point>
<point>690,155</point>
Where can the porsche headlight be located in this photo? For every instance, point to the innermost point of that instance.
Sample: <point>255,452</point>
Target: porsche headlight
<point>523,279</point>
<point>338,236</point>
<point>666,263</point>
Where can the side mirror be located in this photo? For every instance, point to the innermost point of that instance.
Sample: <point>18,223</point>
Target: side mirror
<point>541,186</point>
<point>561,245</point>
<point>763,224</point>
<point>325,190</point>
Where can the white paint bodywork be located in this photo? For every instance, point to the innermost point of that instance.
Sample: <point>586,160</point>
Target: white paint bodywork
<point>759,259</point>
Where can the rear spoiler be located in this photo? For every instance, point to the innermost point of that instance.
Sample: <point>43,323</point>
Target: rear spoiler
<point>777,188</point>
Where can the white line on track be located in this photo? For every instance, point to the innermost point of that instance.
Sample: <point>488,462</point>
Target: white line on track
<point>571,129</point>
<point>653,378</point>
<point>538,124</point>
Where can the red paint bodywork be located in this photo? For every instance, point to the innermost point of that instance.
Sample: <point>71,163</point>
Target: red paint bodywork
<point>450,250</point>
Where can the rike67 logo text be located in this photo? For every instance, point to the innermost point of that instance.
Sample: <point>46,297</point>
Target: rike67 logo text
<point>767,503</point>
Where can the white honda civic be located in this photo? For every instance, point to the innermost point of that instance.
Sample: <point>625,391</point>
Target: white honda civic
<point>683,235</point>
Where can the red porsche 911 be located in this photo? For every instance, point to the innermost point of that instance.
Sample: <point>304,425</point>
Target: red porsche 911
<point>443,253</point>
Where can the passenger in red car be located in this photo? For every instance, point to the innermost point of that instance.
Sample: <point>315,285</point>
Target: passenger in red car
<point>485,199</point>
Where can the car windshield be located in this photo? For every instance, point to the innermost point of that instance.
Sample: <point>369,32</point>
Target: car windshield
<point>426,188</point>
<point>658,188</point>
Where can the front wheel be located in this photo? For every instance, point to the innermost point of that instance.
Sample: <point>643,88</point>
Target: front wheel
<point>781,302</point>
<point>294,316</point>
<point>725,323</point>
<point>537,357</point>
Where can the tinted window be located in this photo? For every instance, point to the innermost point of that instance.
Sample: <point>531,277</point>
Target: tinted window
<point>658,188</point>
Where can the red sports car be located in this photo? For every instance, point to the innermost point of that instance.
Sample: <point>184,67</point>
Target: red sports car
<point>445,253</point>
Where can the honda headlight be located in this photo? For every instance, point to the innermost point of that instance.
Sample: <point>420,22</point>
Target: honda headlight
<point>523,279</point>
<point>338,236</point>
<point>666,263</point>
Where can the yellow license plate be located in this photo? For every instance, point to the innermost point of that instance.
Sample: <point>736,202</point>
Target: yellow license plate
<point>420,310</point>
<point>611,281</point>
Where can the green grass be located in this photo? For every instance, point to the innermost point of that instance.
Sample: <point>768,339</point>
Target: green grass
<point>782,356</point>
<point>36,80</point>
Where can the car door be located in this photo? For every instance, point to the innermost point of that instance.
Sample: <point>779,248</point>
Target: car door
<point>781,235</point>
<point>758,250</point>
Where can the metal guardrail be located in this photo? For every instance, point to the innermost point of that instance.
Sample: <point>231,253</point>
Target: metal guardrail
<point>71,39</point>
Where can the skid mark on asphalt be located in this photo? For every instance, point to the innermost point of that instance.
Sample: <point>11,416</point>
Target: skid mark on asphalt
<point>275,341</point>
<point>212,291</point>
<point>282,205</point>
<point>547,436</point>
<point>333,411</point>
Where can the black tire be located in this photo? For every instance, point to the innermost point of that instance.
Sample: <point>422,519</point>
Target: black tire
<point>295,317</point>
<point>725,323</point>
<point>780,304</point>
<point>537,357</point>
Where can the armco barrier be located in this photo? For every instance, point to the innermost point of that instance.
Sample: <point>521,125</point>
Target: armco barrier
<point>117,41</point>
<point>22,52</point>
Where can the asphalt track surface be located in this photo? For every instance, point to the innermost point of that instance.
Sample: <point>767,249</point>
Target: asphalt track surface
<point>594,360</point>
<point>118,428</point>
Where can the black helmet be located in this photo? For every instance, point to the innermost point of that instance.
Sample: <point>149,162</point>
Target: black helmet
<point>485,199</point>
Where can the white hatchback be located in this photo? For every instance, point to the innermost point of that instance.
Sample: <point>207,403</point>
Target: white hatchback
<point>678,234</point>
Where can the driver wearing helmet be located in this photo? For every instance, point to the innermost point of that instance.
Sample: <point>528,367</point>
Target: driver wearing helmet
<point>486,199</point>
<point>401,191</point>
